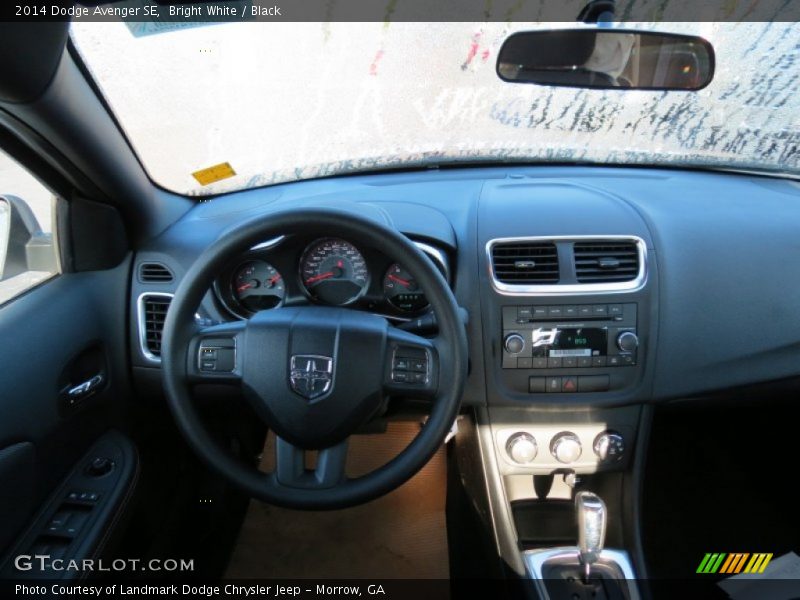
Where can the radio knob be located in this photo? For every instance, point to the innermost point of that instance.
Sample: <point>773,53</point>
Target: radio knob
<point>566,447</point>
<point>514,343</point>
<point>627,341</point>
<point>522,448</point>
<point>609,446</point>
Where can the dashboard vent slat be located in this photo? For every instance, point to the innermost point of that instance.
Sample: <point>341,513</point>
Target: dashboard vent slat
<point>154,273</point>
<point>523,263</point>
<point>606,261</point>
<point>154,309</point>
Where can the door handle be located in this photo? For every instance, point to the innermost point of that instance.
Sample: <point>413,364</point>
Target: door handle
<point>82,390</point>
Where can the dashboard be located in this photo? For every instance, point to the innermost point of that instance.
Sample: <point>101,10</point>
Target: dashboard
<point>327,271</point>
<point>581,286</point>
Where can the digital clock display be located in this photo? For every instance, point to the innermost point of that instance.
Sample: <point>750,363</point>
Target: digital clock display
<point>569,342</point>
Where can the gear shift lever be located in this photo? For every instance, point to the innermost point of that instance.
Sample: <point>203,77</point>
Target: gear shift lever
<point>591,528</point>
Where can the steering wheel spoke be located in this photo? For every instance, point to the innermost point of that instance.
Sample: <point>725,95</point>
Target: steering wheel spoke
<point>216,354</point>
<point>412,365</point>
<point>291,471</point>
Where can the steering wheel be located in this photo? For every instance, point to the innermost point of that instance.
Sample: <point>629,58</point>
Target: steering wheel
<point>315,374</point>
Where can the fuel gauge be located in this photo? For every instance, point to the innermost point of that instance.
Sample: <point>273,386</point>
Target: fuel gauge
<point>257,285</point>
<point>402,291</point>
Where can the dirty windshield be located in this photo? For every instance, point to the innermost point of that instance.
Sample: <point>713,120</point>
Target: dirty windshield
<point>219,107</point>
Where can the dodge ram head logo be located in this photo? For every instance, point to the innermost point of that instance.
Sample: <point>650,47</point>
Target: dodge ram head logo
<point>311,376</point>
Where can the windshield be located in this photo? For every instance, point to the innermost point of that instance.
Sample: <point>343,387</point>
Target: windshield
<point>265,103</point>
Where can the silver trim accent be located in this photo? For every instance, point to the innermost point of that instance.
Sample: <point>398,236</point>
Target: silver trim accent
<point>535,559</point>
<point>269,243</point>
<point>437,255</point>
<point>555,289</point>
<point>143,326</point>
<point>85,388</point>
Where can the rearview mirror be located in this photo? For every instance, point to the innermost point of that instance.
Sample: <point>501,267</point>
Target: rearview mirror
<point>599,58</point>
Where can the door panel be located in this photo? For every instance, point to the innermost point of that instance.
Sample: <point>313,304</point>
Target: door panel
<point>17,463</point>
<point>54,337</point>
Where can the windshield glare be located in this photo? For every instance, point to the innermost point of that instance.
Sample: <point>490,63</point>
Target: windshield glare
<point>288,101</point>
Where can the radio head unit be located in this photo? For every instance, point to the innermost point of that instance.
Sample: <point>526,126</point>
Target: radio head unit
<point>559,345</point>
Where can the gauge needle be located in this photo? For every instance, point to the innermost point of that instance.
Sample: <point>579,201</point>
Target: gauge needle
<point>402,282</point>
<point>319,277</point>
<point>244,287</point>
<point>274,279</point>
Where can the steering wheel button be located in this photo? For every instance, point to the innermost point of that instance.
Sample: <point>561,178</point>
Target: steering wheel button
<point>208,353</point>
<point>418,377</point>
<point>401,364</point>
<point>419,366</point>
<point>208,365</point>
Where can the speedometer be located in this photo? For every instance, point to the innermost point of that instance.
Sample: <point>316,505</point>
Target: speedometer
<point>333,271</point>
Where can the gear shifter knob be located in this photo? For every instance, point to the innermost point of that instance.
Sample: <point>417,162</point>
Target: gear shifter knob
<point>591,512</point>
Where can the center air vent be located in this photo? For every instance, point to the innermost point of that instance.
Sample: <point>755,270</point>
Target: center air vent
<point>152,313</point>
<point>607,261</point>
<point>524,263</point>
<point>154,273</point>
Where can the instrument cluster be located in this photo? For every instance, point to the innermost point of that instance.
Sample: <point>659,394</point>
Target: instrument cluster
<point>328,271</point>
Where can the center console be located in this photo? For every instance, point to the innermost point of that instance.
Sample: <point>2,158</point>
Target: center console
<point>569,314</point>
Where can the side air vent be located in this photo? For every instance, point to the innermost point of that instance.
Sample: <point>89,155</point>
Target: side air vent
<point>152,313</point>
<point>525,263</point>
<point>606,261</point>
<point>154,273</point>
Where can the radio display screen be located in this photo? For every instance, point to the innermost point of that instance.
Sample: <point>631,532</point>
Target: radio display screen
<point>569,342</point>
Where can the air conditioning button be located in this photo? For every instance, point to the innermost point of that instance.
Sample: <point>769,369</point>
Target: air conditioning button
<point>609,446</point>
<point>566,447</point>
<point>521,448</point>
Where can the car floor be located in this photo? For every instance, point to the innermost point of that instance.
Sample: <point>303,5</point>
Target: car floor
<point>401,535</point>
<point>719,478</point>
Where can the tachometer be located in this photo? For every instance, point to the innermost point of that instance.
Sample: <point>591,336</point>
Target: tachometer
<point>402,291</point>
<point>257,285</point>
<point>333,271</point>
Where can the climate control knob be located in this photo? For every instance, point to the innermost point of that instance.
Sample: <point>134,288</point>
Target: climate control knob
<point>521,448</point>
<point>609,446</point>
<point>514,343</point>
<point>627,341</point>
<point>566,447</point>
